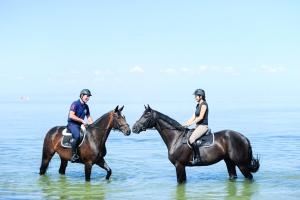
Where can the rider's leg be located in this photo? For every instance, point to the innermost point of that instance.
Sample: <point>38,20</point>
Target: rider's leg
<point>74,151</point>
<point>75,130</point>
<point>197,157</point>
<point>198,132</point>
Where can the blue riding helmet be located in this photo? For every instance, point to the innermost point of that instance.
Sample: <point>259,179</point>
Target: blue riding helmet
<point>85,92</point>
<point>199,92</point>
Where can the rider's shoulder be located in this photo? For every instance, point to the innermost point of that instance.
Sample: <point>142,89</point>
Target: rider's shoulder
<point>76,101</point>
<point>203,103</point>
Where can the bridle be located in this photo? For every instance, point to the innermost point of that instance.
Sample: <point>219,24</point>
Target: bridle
<point>117,126</point>
<point>146,124</point>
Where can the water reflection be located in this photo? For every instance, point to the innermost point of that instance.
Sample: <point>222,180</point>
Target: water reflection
<point>180,192</point>
<point>244,189</point>
<point>240,190</point>
<point>62,188</point>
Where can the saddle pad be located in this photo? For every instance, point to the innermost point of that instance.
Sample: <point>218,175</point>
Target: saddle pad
<point>205,140</point>
<point>67,137</point>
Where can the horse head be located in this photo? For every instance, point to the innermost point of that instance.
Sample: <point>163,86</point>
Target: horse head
<point>145,122</point>
<point>119,121</point>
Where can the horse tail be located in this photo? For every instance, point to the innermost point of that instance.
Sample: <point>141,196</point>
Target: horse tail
<point>254,164</point>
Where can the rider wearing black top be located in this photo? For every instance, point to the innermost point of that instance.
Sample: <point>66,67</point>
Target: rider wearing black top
<point>200,118</point>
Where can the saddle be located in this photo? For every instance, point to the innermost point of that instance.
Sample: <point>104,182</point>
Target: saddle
<point>206,140</point>
<point>67,137</point>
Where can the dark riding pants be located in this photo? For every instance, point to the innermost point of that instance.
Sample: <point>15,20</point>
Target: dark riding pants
<point>75,130</point>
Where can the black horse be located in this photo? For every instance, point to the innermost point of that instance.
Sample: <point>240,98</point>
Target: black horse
<point>92,149</point>
<point>230,146</point>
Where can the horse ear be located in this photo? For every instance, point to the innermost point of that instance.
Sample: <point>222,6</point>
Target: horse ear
<point>145,107</point>
<point>149,107</point>
<point>121,108</point>
<point>117,108</point>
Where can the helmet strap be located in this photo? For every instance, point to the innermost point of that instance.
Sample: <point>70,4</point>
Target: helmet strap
<point>81,99</point>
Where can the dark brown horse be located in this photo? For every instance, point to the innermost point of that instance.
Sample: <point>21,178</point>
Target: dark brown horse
<point>92,149</point>
<point>230,146</point>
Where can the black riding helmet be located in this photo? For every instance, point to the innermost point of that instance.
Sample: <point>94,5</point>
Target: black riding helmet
<point>85,92</point>
<point>199,92</point>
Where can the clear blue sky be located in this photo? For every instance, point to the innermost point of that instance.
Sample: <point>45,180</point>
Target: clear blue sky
<point>138,49</point>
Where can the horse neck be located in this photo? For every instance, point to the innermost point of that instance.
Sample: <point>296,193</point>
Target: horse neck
<point>166,132</point>
<point>103,127</point>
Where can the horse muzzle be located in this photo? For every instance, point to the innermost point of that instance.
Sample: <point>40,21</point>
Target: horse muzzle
<point>137,128</point>
<point>127,132</point>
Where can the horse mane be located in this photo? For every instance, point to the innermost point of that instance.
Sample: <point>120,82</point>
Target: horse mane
<point>171,121</point>
<point>94,124</point>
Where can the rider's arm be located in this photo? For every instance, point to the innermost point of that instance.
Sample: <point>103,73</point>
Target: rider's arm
<point>90,119</point>
<point>75,118</point>
<point>88,115</point>
<point>190,121</point>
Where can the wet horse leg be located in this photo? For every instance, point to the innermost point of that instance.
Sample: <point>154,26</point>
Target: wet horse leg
<point>246,172</point>
<point>63,166</point>
<point>101,163</point>
<point>88,170</point>
<point>47,156</point>
<point>180,172</point>
<point>231,169</point>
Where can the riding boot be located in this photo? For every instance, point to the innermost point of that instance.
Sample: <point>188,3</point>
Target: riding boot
<point>197,158</point>
<point>74,151</point>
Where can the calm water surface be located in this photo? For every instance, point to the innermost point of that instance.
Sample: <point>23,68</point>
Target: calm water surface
<point>139,163</point>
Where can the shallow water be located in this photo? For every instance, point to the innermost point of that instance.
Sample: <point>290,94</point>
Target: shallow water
<point>139,163</point>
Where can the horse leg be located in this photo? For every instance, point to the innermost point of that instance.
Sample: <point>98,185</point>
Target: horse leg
<point>63,166</point>
<point>180,172</point>
<point>47,156</point>
<point>88,170</point>
<point>231,169</point>
<point>101,163</point>
<point>246,172</point>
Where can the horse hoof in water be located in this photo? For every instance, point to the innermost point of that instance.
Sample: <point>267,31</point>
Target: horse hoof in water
<point>108,175</point>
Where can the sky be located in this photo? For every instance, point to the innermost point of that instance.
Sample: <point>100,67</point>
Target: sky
<point>149,50</point>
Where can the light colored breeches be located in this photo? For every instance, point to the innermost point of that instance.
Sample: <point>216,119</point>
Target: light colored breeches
<point>198,132</point>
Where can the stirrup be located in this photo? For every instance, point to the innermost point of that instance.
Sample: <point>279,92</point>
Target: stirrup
<point>74,158</point>
<point>196,161</point>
